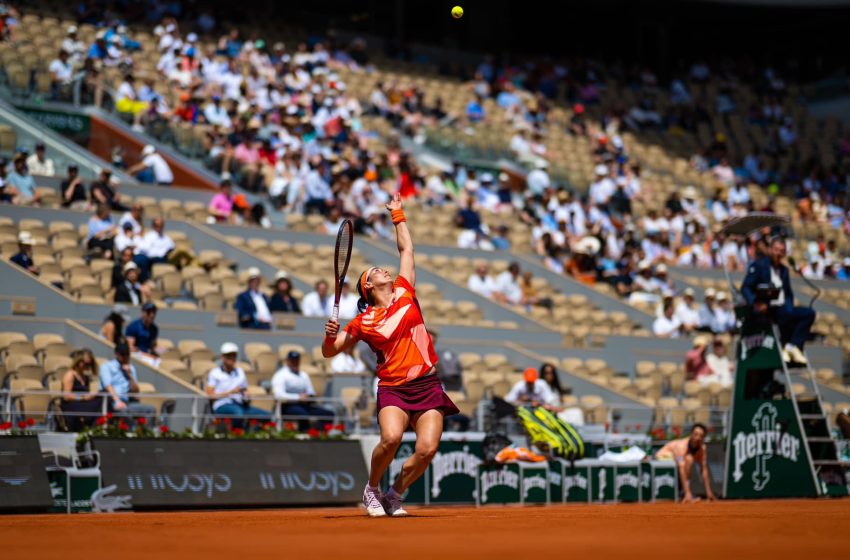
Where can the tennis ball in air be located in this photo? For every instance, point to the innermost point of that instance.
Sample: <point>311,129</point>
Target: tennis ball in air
<point>457,12</point>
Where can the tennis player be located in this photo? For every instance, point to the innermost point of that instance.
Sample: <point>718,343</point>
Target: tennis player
<point>409,391</point>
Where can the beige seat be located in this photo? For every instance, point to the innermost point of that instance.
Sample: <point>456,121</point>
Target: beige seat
<point>252,349</point>
<point>186,346</point>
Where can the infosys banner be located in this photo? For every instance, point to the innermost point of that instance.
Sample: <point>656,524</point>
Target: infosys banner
<point>200,473</point>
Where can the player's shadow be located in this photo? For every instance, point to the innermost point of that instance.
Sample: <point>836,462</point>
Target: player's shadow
<point>358,517</point>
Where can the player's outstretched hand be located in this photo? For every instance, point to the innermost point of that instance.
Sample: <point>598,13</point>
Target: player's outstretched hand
<point>331,328</point>
<point>395,203</point>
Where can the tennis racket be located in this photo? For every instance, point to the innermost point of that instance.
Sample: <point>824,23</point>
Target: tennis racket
<point>342,256</point>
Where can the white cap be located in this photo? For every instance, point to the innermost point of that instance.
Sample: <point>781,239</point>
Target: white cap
<point>688,292</point>
<point>503,177</point>
<point>846,261</point>
<point>710,292</point>
<point>487,178</point>
<point>191,37</point>
<point>148,150</point>
<point>254,272</point>
<point>722,296</point>
<point>661,269</point>
<point>25,238</point>
<point>72,29</point>
<point>602,169</point>
<point>130,266</point>
<point>643,265</point>
<point>114,181</point>
<point>228,348</point>
<point>281,275</point>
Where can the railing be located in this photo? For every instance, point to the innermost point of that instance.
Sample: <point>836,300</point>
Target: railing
<point>193,411</point>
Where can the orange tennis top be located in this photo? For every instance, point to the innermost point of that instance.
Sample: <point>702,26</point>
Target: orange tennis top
<point>397,335</point>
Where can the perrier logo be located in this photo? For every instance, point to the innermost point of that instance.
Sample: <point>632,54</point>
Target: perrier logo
<point>765,442</point>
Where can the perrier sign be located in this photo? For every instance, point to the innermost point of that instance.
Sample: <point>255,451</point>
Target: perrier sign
<point>766,455</point>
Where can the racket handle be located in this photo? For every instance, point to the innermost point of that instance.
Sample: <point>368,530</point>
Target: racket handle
<point>335,313</point>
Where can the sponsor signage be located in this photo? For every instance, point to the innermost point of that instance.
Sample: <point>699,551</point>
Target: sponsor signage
<point>627,483</point>
<point>201,473</point>
<point>68,124</point>
<point>556,480</point>
<point>576,483</point>
<point>452,472</point>
<point>499,484</point>
<point>766,455</point>
<point>658,481</point>
<point>76,489</point>
<point>535,483</point>
<point>23,480</point>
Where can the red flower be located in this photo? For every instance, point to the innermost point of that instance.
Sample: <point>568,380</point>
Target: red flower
<point>5,426</point>
<point>340,427</point>
<point>253,422</point>
<point>238,432</point>
<point>141,421</point>
<point>328,427</point>
<point>313,433</point>
<point>216,421</point>
<point>109,416</point>
<point>100,421</point>
<point>163,429</point>
<point>22,424</point>
<point>637,427</point>
<point>290,426</point>
<point>122,425</point>
<point>227,421</point>
<point>268,426</point>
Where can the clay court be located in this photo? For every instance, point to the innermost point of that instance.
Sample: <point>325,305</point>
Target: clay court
<point>753,530</point>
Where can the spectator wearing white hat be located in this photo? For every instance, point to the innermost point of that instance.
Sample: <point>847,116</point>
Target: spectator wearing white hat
<point>706,311</point>
<point>538,179</point>
<point>687,312</point>
<point>23,258</point>
<point>73,46</point>
<point>228,384</point>
<point>282,299</point>
<point>152,168</point>
<point>667,325</point>
<point>131,290</point>
<point>603,187</point>
<point>252,305</point>
<point>724,314</point>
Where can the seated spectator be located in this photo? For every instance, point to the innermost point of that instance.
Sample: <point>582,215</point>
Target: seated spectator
<point>221,205</point>
<point>646,287</point>
<point>39,164</point>
<point>507,286</point>
<point>131,290</point>
<point>118,377</point>
<point>105,191</point>
<point>468,217</point>
<point>127,101</point>
<point>8,194</point>
<point>532,391</point>
<point>155,247</point>
<point>293,386</point>
<point>126,239</point>
<point>143,334</point>
<point>112,328</point>
<point>228,385</point>
<point>719,365</point>
<point>724,314</point>
<point>667,325</point>
<point>152,168</point>
<point>23,258</point>
<point>73,190</point>
<point>101,232</point>
<point>347,362</point>
<point>706,312</point>
<point>695,364</point>
<point>75,48</point>
<point>475,110</point>
<point>347,302</point>
<point>686,311</point>
<point>135,216</point>
<point>252,305</point>
<point>481,282</point>
<point>23,183</point>
<point>582,265</point>
<point>844,272</point>
<point>125,256</point>
<point>80,408</point>
<point>318,303</point>
<point>61,73</point>
<point>282,299</point>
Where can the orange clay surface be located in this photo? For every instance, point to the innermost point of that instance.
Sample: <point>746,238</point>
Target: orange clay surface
<point>751,530</point>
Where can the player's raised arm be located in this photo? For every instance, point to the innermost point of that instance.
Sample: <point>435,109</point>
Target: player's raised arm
<point>335,341</point>
<point>406,267</point>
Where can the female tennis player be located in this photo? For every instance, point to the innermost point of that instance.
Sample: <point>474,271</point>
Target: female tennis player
<point>409,391</point>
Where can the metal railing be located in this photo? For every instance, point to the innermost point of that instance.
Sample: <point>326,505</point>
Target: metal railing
<point>170,409</point>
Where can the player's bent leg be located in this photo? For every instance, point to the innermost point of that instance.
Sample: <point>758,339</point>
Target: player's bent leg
<point>429,428</point>
<point>392,421</point>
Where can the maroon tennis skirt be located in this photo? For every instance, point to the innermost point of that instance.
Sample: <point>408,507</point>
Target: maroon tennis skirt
<point>423,393</point>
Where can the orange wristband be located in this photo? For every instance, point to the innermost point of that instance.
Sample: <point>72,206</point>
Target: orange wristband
<point>398,216</point>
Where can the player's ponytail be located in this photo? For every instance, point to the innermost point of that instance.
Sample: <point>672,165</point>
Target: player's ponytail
<point>363,302</point>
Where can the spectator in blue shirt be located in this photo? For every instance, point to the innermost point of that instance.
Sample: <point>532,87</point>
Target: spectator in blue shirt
<point>142,334</point>
<point>118,377</point>
<point>102,231</point>
<point>24,256</point>
<point>23,182</point>
<point>475,110</point>
<point>99,50</point>
<point>508,97</point>
<point>844,272</point>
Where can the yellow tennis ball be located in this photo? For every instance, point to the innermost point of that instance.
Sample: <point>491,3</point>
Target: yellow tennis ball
<point>457,12</point>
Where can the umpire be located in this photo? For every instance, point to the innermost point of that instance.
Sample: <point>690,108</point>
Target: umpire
<point>795,323</point>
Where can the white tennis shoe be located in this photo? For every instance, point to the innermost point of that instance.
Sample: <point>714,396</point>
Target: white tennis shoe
<point>393,504</point>
<point>372,500</point>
